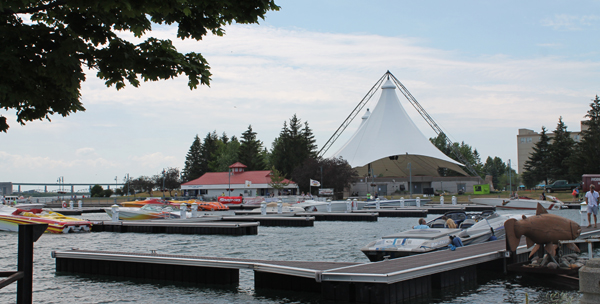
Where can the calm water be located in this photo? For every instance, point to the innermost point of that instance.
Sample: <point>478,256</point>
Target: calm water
<point>326,241</point>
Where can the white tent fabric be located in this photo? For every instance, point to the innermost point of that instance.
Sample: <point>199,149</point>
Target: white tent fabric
<point>389,140</point>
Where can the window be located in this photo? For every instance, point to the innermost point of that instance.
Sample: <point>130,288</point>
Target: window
<point>522,139</point>
<point>529,139</point>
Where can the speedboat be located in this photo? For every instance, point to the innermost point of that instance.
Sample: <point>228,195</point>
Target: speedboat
<point>140,204</point>
<point>202,206</point>
<point>552,203</point>
<point>10,218</point>
<point>21,202</point>
<point>472,229</point>
<point>147,212</point>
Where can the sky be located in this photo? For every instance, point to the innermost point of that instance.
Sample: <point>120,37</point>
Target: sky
<point>481,69</point>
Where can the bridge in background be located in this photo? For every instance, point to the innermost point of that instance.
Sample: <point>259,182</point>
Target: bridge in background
<point>59,187</point>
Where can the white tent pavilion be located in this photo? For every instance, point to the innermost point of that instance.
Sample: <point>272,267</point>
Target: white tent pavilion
<point>388,140</point>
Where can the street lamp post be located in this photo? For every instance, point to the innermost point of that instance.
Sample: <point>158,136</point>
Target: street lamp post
<point>229,187</point>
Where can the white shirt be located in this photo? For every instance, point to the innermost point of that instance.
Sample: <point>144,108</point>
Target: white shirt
<point>592,198</point>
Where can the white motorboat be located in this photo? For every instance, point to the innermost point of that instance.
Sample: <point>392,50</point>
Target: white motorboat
<point>472,229</point>
<point>21,202</point>
<point>336,206</point>
<point>148,212</point>
<point>397,202</point>
<point>552,203</point>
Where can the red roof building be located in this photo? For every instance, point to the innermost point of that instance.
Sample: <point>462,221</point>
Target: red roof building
<point>236,182</point>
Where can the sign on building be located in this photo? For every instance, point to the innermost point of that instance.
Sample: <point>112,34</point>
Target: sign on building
<point>326,192</point>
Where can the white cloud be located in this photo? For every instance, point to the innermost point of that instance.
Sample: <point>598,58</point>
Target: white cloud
<point>85,152</point>
<point>570,22</point>
<point>153,160</point>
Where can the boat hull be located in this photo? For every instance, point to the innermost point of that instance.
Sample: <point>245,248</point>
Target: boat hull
<point>517,204</point>
<point>136,214</point>
<point>418,241</point>
<point>12,222</point>
<point>397,203</point>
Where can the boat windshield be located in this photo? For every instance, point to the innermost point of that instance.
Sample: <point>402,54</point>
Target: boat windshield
<point>158,207</point>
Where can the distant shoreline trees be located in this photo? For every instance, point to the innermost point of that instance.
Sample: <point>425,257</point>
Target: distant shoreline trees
<point>560,157</point>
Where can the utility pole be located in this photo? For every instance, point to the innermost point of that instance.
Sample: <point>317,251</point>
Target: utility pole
<point>163,187</point>
<point>127,181</point>
<point>410,178</point>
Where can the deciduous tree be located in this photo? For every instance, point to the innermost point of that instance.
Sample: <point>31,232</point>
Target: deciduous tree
<point>226,154</point>
<point>496,168</point>
<point>337,173</point>
<point>277,181</point>
<point>466,151</point>
<point>47,43</point>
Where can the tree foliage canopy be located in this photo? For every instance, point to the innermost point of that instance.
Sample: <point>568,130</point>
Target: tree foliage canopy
<point>468,153</point>
<point>587,152</point>
<point>294,145</point>
<point>192,169</point>
<point>226,154</point>
<point>249,153</point>
<point>560,151</point>
<point>337,173</point>
<point>537,167</point>
<point>46,43</point>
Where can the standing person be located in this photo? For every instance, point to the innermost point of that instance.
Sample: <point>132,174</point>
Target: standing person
<point>591,198</point>
<point>575,194</point>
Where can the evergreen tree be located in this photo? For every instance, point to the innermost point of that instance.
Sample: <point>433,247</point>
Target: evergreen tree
<point>560,151</point>
<point>586,154</point>
<point>192,169</point>
<point>293,146</point>
<point>249,152</point>
<point>537,167</point>
<point>310,141</point>
<point>208,151</point>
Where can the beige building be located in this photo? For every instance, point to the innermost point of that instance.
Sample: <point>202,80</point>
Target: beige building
<point>526,140</point>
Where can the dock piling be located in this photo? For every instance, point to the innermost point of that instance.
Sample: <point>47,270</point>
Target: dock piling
<point>115,213</point>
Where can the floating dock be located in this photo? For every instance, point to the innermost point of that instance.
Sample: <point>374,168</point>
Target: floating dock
<point>179,227</point>
<point>271,221</point>
<point>76,211</point>
<point>390,281</point>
